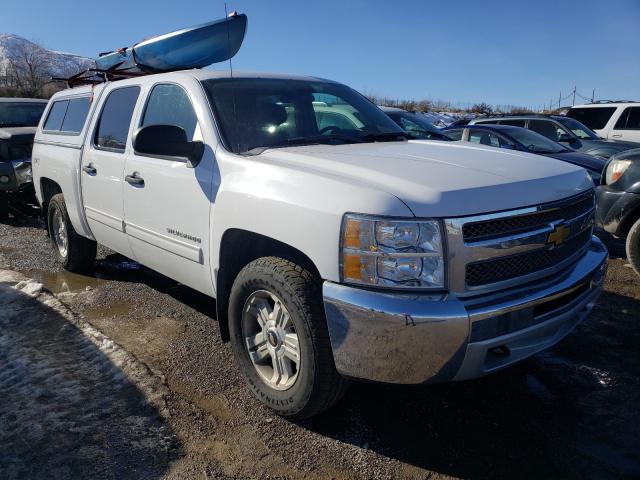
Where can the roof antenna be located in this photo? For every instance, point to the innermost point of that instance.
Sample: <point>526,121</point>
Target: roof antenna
<point>233,90</point>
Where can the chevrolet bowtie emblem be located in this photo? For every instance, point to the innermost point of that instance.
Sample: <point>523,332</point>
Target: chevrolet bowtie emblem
<point>559,235</point>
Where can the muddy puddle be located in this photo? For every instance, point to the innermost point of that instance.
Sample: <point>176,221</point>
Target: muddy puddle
<point>64,282</point>
<point>106,270</point>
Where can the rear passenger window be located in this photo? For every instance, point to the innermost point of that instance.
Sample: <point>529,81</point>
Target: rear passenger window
<point>170,105</point>
<point>67,116</point>
<point>56,115</point>
<point>114,122</point>
<point>513,123</point>
<point>633,120</point>
<point>76,115</point>
<point>454,134</point>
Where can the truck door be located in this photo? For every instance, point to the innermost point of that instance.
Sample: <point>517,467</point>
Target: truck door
<point>167,202</point>
<point>103,168</point>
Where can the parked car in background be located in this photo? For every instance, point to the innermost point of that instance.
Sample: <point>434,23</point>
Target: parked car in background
<point>517,138</point>
<point>618,200</point>
<point>415,124</point>
<point>619,120</point>
<point>19,118</point>
<point>564,130</point>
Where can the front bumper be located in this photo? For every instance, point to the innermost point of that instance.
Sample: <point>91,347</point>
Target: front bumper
<point>413,339</point>
<point>13,183</point>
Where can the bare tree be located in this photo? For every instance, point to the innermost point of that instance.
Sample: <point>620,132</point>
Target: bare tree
<point>28,69</point>
<point>482,108</point>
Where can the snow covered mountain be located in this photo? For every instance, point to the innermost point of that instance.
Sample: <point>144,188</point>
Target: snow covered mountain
<point>51,63</point>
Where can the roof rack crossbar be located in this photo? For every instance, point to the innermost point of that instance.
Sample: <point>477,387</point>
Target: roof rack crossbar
<point>94,76</point>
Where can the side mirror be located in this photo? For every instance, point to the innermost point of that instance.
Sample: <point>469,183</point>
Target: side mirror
<point>168,142</point>
<point>566,138</point>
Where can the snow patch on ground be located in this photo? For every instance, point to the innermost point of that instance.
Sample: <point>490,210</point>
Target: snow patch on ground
<point>72,399</point>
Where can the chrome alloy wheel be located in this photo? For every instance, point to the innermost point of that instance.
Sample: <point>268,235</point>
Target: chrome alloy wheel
<point>271,340</point>
<point>59,232</point>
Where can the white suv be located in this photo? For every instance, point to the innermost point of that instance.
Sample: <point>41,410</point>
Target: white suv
<point>615,120</point>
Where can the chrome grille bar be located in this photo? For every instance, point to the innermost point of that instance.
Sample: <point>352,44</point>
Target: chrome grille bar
<point>565,222</point>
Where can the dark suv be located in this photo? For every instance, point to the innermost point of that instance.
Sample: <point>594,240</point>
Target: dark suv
<point>618,201</point>
<point>564,130</point>
<point>19,118</point>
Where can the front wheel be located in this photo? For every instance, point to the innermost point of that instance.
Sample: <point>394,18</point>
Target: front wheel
<point>633,246</point>
<point>280,338</point>
<point>74,252</point>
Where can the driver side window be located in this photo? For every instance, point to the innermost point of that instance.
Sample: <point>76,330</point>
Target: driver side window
<point>169,104</point>
<point>546,129</point>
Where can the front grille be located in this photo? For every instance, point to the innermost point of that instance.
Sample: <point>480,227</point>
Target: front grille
<point>484,230</point>
<point>505,268</point>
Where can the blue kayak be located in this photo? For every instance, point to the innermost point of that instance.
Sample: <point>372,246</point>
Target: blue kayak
<point>193,47</point>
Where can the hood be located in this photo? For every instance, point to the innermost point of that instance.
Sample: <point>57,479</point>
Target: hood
<point>582,159</point>
<point>10,132</point>
<point>441,179</point>
<point>609,143</point>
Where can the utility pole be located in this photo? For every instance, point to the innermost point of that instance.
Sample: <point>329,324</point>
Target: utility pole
<point>574,96</point>
<point>559,98</point>
<point>593,95</point>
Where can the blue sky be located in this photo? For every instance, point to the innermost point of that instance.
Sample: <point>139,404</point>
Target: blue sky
<point>501,52</point>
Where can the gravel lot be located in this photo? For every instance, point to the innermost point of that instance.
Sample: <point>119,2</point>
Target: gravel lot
<point>70,409</point>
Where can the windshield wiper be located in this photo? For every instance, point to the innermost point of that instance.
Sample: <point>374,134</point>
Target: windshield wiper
<point>310,140</point>
<point>385,137</point>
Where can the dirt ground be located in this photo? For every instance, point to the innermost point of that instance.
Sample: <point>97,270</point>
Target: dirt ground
<point>69,408</point>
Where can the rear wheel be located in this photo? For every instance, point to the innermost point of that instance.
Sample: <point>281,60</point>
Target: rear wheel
<point>74,252</point>
<point>280,338</point>
<point>633,246</point>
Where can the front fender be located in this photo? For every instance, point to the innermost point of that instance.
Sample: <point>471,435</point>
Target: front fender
<point>300,208</point>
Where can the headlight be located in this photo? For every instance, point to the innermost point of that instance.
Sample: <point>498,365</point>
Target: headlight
<point>22,170</point>
<point>391,253</point>
<point>615,170</point>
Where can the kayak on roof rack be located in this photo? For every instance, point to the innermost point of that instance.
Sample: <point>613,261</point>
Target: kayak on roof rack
<point>193,47</point>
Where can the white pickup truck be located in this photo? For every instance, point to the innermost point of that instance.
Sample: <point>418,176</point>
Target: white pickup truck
<point>336,248</point>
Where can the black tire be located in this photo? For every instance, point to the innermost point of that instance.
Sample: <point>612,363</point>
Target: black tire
<point>633,246</point>
<point>318,385</point>
<point>80,251</point>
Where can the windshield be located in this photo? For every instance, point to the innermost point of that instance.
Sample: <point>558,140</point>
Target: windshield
<point>580,130</point>
<point>20,114</point>
<point>417,126</point>
<point>534,142</point>
<point>254,113</point>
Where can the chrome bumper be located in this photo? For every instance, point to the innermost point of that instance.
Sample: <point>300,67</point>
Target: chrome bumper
<point>413,339</point>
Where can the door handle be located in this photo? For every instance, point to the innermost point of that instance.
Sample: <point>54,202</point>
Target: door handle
<point>616,136</point>
<point>89,169</point>
<point>134,179</point>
